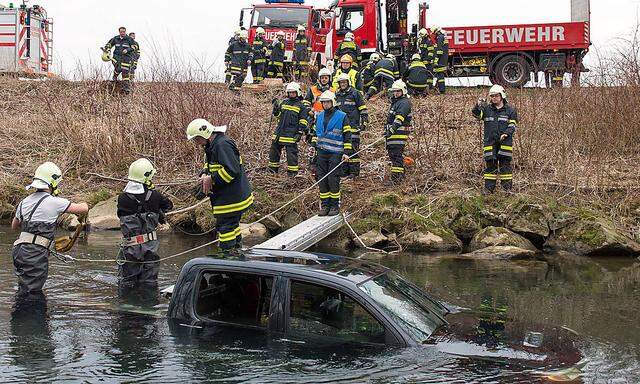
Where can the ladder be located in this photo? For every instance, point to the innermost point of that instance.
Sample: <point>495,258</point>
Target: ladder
<point>306,234</point>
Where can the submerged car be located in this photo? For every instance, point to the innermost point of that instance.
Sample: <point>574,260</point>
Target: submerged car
<point>306,296</point>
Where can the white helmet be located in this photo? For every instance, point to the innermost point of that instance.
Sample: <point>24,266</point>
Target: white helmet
<point>343,77</point>
<point>203,128</point>
<point>399,85</point>
<point>244,34</point>
<point>260,31</point>
<point>349,36</point>
<point>435,29</point>
<point>498,89</point>
<point>325,72</point>
<point>423,32</point>
<point>294,87</point>
<point>328,96</point>
<point>236,33</point>
<point>301,28</point>
<point>47,175</point>
<point>416,57</point>
<point>375,57</point>
<point>141,171</point>
<point>280,34</point>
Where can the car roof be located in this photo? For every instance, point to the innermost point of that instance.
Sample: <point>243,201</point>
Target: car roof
<point>303,263</point>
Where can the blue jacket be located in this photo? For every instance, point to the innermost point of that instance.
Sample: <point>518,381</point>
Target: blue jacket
<point>332,132</point>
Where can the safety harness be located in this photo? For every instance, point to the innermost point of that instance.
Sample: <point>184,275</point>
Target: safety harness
<point>144,238</point>
<point>30,238</point>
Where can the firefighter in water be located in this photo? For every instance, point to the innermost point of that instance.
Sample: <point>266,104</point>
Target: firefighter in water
<point>350,101</point>
<point>427,52</point>
<point>293,122</point>
<point>301,52</point>
<point>37,218</point>
<point>368,72</point>
<point>346,68</point>
<point>141,209</point>
<point>500,123</point>
<point>386,72</point>
<point>224,180</point>
<point>259,50</point>
<point>136,56</point>
<point>227,74</point>
<point>397,129</point>
<point>238,58</point>
<point>276,60</point>
<point>441,58</point>
<point>124,48</point>
<point>417,76</point>
<point>332,142</point>
<point>348,46</point>
<point>312,100</point>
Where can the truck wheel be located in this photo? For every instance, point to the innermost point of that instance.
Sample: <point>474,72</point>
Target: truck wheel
<point>512,71</point>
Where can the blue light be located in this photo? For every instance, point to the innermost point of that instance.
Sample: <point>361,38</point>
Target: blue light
<point>284,1</point>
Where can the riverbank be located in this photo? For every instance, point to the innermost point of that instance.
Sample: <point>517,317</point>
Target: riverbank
<point>577,185</point>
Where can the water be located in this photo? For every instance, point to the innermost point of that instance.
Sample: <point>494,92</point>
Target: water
<point>84,330</point>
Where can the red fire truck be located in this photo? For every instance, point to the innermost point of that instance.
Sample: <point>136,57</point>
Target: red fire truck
<point>26,40</point>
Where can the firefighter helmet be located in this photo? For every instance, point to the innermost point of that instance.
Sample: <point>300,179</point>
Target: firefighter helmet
<point>423,32</point>
<point>498,90</point>
<point>416,57</point>
<point>343,77</point>
<point>294,87</point>
<point>399,85</point>
<point>260,31</point>
<point>328,96</point>
<point>106,55</point>
<point>325,72</point>
<point>141,171</point>
<point>346,59</point>
<point>244,34</point>
<point>375,57</point>
<point>203,128</point>
<point>391,56</point>
<point>301,28</point>
<point>349,36</point>
<point>280,34</point>
<point>47,175</point>
<point>236,33</point>
<point>435,29</point>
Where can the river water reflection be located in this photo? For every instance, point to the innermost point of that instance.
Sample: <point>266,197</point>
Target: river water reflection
<point>84,330</point>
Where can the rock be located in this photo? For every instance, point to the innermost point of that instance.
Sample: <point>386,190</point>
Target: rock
<point>272,224</point>
<point>204,220</point>
<point>593,236</point>
<point>465,227</point>
<point>429,242</point>
<point>164,228</point>
<point>103,215</point>
<point>372,238</point>
<point>254,234</point>
<point>492,236</point>
<point>338,243</point>
<point>560,220</point>
<point>501,252</point>
<point>7,212</point>
<point>530,221</point>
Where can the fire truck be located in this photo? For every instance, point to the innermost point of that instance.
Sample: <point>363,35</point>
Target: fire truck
<point>507,54</point>
<point>26,40</point>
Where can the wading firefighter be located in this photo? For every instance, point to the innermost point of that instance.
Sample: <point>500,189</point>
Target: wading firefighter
<point>259,50</point>
<point>124,48</point>
<point>346,68</point>
<point>238,57</point>
<point>276,59</point>
<point>397,129</point>
<point>350,101</point>
<point>301,52</point>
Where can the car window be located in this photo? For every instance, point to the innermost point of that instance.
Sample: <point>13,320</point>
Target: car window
<point>352,19</point>
<point>328,312</point>
<point>237,298</point>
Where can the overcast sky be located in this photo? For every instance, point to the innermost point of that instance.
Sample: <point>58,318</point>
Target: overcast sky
<point>200,29</point>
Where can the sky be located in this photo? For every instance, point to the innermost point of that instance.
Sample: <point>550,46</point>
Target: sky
<point>199,30</point>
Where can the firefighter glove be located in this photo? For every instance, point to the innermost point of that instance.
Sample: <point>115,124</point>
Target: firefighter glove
<point>365,121</point>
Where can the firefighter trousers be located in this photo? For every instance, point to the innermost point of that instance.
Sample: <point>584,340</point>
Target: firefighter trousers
<point>380,83</point>
<point>292,157</point>
<point>440,75</point>
<point>143,266</point>
<point>352,166</point>
<point>300,69</point>
<point>229,232</point>
<point>238,78</point>
<point>122,66</point>
<point>257,71</point>
<point>498,169</point>
<point>329,186</point>
<point>276,69</point>
<point>396,155</point>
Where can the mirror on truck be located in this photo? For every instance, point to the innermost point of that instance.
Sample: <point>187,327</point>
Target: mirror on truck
<point>245,18</point>
<point>242,18</point>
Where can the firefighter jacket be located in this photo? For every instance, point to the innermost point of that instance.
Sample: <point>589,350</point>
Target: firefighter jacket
<point>120,44</point>
<point>351,102</point>
<point>136,53</point>
<point>239,54</point>
<point>277,51</point>
<point>367,74</point>
<point>441,58</point>
<point>387,68</point>
<point>349,48</point>
<point>231,193</point>
<point>497,122</point>
<point>398,122</point>
<point>354,78</point>
<point>293,121</point>
<point>426,49</point>
<point>313,94</point>
<point>259,50</point>
<point>332,132</point>
<point>417,75</point>
<point>301,49</point>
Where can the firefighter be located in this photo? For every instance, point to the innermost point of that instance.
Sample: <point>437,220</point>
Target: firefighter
<point>276,60</point>
<point>140,209</point>
<point>37,217</point>
<point>427,53</point>
<point>417,76</point>
<point>301,52</point>
<point>346,67</point>
<point>227,73</point>
<point>312,100</point>
<point>259,50</point>
<point>500,123</point>
<point>348,47</point>
<point>238,56</point>
<point>368,72</point>
<point>397,129</point>
<point>386,72</point>
<point>332,142</point>
<point>136,56</point>
<point>350,101</point>
<point>293,122</point>
<point>124,48</point>
<point>441,58</point>
<point>224,180</point>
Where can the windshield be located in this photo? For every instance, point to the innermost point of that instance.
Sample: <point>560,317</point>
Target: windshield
<point>411,311</point>
<point>280,17</point>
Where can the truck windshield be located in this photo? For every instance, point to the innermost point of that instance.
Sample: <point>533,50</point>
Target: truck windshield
<point>411,311</point>
<point>280,17</point>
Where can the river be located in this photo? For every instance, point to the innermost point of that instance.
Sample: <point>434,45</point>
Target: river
<point>83,330</point>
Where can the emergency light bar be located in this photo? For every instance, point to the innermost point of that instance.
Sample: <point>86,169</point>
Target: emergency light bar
<point>284,1</point>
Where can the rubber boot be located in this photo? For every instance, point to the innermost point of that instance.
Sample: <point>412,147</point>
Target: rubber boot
<point>324,211</point>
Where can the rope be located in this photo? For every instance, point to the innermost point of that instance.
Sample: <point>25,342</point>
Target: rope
<point>216,240</point>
